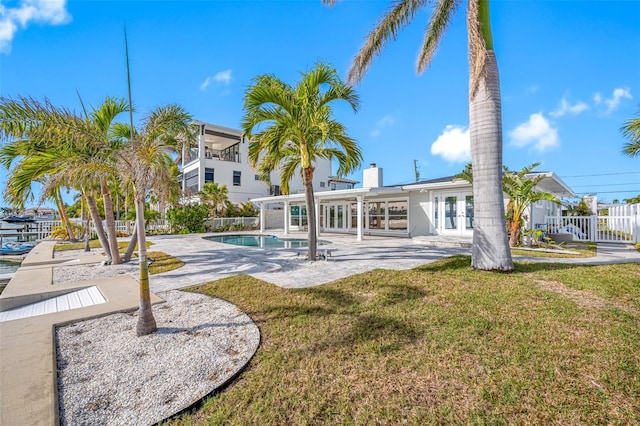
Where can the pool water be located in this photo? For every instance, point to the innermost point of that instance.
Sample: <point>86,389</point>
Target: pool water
<point>270,241</point>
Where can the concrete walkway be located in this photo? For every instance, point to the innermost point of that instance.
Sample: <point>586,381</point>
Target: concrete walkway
<point>28,383</point>
<point>28,379</point>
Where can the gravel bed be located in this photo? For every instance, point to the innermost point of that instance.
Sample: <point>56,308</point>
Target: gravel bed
<point>63,274</point>
<point>108,376</point>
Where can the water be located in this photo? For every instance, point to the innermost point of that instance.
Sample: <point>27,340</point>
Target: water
<point>260,241</point>
<point>8,266</point>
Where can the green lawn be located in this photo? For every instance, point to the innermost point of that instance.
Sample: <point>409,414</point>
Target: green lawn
<point>442,343</point>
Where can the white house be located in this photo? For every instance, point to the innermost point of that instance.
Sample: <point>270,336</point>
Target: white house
<point>432,207</point>
<point>222,157</point>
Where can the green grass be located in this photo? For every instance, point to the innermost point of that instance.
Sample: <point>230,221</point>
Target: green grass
<point>584,249</point>
<point>547,344</point>
<point>162,262</point>
<point>94,244</point>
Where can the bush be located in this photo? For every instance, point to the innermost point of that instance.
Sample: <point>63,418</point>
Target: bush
<point>222,228</point>
<point>187,219</point>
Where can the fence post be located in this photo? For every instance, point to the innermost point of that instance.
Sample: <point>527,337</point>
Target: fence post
<point>593,228</point>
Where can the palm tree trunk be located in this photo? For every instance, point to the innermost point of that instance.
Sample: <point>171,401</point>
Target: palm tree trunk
<point>146,322</point>
<point>307,177</point>
<point>97,221</point>
<point>64,217</point>
<point>111,223</point>
<point>490,244</point>
<point>132,245</point>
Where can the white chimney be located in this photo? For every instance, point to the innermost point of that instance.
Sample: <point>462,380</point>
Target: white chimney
<point>372,177</point>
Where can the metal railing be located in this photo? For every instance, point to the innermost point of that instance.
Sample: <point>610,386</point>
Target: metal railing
<point>234,222</point>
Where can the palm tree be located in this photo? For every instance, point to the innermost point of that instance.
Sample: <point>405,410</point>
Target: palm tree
<point>490,245</point>
<point>631,130</point>
<point>214,195</point>
<point>70,150</point>
<point>30,166</point>
<point>145,164</point>
<point>299,129</point>
<point>520,188</point>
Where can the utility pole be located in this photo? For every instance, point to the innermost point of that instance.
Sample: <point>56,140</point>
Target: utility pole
<point>415,169</point>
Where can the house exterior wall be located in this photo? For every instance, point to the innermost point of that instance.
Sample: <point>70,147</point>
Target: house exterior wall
<point>236,173</point>
<point>421,212</point>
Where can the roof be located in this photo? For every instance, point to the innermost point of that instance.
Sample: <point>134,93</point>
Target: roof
<point>341,179</point>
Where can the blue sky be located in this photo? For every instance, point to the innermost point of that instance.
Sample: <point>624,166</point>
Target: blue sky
<point>570,74</point>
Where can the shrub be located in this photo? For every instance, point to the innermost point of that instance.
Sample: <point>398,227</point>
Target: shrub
<point>187,219</point>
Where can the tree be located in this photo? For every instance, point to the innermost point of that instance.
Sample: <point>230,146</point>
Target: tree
<point>520,187</point>
<point>145,163</point>
<point>68,150</point>
<point>490,245</point>
<point>632,200</point>
<point>215,196</point>
<point>631,131</point>
<point>299,129</point>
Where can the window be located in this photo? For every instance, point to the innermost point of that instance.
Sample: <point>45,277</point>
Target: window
<point>191,181</point>
<point>208,175</point>
<point>349,186</point>
<point>275,190</point>
<point>322,184</point>
<point>397,215</point>
<point>257,177</point>
<point>236,178</point>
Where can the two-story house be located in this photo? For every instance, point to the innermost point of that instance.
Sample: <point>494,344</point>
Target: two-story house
<point>221,156</point>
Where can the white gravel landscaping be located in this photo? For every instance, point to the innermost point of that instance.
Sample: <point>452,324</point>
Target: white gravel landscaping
<point>109,376</point>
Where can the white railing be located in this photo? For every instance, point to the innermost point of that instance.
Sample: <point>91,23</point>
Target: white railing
<point>124,228</point>
<point>612,228</point>
<point>231,222</point>
<point>578,226</point>
<point>624,210</point>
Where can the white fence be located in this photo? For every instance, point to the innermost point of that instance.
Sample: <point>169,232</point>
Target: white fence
<point>124,228</point>
<point>44,229</point>
<point>232,222</point>
<point>611,228</point>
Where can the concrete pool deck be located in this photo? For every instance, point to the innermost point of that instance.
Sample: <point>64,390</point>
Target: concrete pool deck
<point>208,260</point>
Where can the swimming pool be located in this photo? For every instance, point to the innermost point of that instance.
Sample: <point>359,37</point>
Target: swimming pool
<point>270,241</point>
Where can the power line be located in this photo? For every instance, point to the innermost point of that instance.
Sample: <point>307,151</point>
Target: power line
<point>602,174</point>
<point>609,192</point>
<point>605,184</point>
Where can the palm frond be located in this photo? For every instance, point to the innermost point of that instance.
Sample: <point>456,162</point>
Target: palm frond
<point>398,17</point>
<point>438,24</point>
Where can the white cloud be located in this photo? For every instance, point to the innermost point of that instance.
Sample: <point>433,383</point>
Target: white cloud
<point>454,145</point>
<point>618,94</point>
<point>537,133</point>
<point>597,98</point>
<point>566,108</point>
<point>223,77</point>
<point>386,121</point>
<point>20,15</point>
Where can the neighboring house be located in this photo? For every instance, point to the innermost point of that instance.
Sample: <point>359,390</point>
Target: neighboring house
<point>432,207</point>
<point>222,157</point>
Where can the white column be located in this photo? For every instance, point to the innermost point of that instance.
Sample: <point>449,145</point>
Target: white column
<point>201,161</point>
<point>287,214</point>
<point>317,207</point>
<point>263,215</point>
<point>359,220</point>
